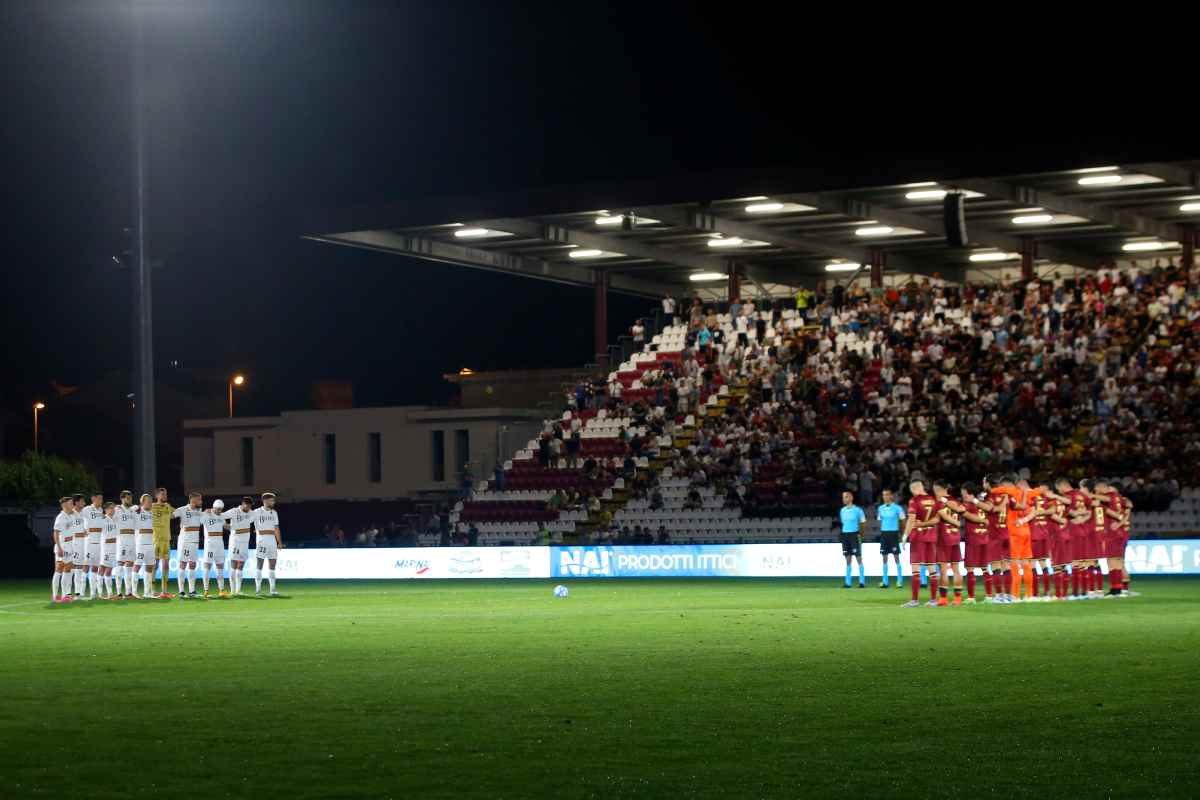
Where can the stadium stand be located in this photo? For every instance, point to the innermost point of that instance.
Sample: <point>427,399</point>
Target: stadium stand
<point>741,423</point>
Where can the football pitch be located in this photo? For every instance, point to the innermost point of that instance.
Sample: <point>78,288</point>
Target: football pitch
<point>651,688</point>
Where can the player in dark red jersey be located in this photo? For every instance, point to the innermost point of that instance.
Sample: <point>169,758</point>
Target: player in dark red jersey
<point>1039,528</point>
<point>1118,510</point>
<point>949,544</point>
<point>975,523</point>
<point>920,527</point>
<point>1094,532</point>
<point>1079,516</point>
<point>999,553</point>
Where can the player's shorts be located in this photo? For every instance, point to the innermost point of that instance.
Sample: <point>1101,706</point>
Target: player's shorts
<point>68,549</point>
<point>1041,548</point>
<point>91,553</point>
<point>889,543</point>
<point>1115,543</point>
<point>1021,547</point>
<point>978,554</point>
<point>214,550</point>
<point>922,552</point>
<point>108,554</point>
<point>143,552</point>
<point>162,545</point>
<point>75,555</point>
<point>851,544</point>
<point>1061,551</point>
<point>125,547</point>
<point>949,553</point>
<point>268,547</point>
<point>1088,547</point>
<point>189,547</point>
<point>239,547</point>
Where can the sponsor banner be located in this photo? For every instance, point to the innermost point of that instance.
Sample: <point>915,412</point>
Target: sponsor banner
<point>812,559</point>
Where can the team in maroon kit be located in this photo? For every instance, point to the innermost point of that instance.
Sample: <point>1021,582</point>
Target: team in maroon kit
<point>1047,541</point>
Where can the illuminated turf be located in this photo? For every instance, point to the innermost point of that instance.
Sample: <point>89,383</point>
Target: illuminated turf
<point>698,688</point>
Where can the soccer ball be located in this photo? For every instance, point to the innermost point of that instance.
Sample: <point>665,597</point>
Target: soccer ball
<point>561,591</point>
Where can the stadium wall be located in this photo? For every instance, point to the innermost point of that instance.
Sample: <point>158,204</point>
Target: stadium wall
<point>817,559</point>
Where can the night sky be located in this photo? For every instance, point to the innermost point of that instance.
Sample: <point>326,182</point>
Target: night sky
<point>265,113</point>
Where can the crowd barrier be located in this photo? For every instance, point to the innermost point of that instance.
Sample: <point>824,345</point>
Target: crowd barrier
<point>817,559</point>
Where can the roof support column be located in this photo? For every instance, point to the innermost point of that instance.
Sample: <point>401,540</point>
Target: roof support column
<point>734,286</point>
<point>600,284</point>
<point>878,261</point>
<point>1187,235</point>
<point>1028,253</point>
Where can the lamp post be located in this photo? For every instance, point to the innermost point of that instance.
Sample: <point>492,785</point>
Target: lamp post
<point>36,408</point>
<point>236,380</point>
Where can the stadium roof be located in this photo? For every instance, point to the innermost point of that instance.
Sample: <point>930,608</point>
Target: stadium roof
<point>781,230</point>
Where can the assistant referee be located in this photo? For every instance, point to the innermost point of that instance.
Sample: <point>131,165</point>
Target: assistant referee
<point>890,514</point>
<point>853,519</point>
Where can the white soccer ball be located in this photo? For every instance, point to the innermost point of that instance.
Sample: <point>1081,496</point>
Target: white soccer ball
<point>561,591</point>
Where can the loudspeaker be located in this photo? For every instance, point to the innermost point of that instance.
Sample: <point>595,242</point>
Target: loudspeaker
<point>955,219</point>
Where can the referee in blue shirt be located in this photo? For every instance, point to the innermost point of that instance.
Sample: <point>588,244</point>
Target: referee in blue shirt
<point>853,520</point>
<point>890,514</point>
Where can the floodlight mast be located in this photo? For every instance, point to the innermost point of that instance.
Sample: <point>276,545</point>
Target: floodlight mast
<point>144,434</point>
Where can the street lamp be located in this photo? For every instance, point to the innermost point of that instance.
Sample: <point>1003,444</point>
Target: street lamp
<point>236,380</point>
<point>36,408</point>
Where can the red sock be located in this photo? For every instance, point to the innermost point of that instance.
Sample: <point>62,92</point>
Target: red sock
<point>987,584</point>
<point>1114,579</point>
<point>1074,582</point>
<point>1059,591</point>
<point>971,584</point>
<point>1047,578</point>
<point>933,587</point>
<point>1097,579</point>
<point>1036,580</point>
<point>915,583</point>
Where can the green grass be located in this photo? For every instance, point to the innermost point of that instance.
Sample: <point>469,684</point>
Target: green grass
<point>699,688</point>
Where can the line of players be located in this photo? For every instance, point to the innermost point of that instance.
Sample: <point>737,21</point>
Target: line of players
<point>1016,536</point>
<point>102,549</point>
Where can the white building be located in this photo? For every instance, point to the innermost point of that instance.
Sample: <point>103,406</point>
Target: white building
<point>351,454</point>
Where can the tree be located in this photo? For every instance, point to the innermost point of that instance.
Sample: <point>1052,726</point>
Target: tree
<point>40,480</point>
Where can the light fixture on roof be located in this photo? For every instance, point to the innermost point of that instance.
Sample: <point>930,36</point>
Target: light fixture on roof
<point>612,219</point>
<point>918,184</point>
<point>874,230</point>
<point>842,266</point>
<point>1099,180</point>
<point>1135,247</point>
<point>1032,219</point>
<point>707,276</point>
<point>471,233</point>
<point>732,241</point>
<point>1097,169</point>
<point>764,208</point>
<point>586,253</point>
<point>1190,207</point>
<point>994,255</point>
<point>925,194</point>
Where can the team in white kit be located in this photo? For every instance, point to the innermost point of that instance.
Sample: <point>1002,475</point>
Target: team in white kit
<point>102,549</point>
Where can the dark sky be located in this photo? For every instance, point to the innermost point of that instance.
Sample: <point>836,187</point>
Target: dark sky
<point>263,112</point>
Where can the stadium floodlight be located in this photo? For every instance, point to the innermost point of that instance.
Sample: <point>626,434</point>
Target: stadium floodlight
<point>707,276</point>
<point>1136,247</point>
<point>925,194</point>
<point>1032,219</point>
<point>874,230</point>
<point>1191,208</point>
<point>586,253</point>
<point>994,255</point>
<point>471,233</point>
<point>842,266</point>
<point>612,219</point>
<point>763,208</point>
<point>732,241</point>
<point>1097,169</point>
<point>1099,180</point>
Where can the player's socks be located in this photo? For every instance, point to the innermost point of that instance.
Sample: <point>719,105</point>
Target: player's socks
<point>204,573</point>
<point>1037,579</point>
<point>179,577</point>
<point>899,575</point>
<point>78,580</point>
<point>933,586</point>
<point>848,570</point>
<point>885,572</point>
<point>1114,580</point>
<point>258,576</point>
<point>1047,579</point>
<point>55,585</point>
<point>235,581</point>
<point>915,583</point>
<point>192,580</point>
<point>221,581</point>
<point>862,573</point>
<point>1030,583</point>
<point>971,585</point>
<point>271,578</point>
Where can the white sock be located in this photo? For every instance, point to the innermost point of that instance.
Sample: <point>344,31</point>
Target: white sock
<point>179,576</point>
<point>108,585</point>
<point>237,576</point>
<point>55,585</point>
<point>271,578</point>
<point>192,580</point>
<point>258,581</point>
<point>91,583</point>
<point>221,578</point>
<point>148,582</point>
<point>79,581</point>
<point>204,576</point>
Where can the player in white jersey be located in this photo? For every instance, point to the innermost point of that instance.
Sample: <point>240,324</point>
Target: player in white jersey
<point>214,546</point>
<point>93,523</point>
<point>63,533</point>
<point>108,552</point>
<point>126,518</point>
<point>78,547</point>
<point>191,522</point>
<point>268,540</point>
<point>143,551</point>
<point>240,520</point>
